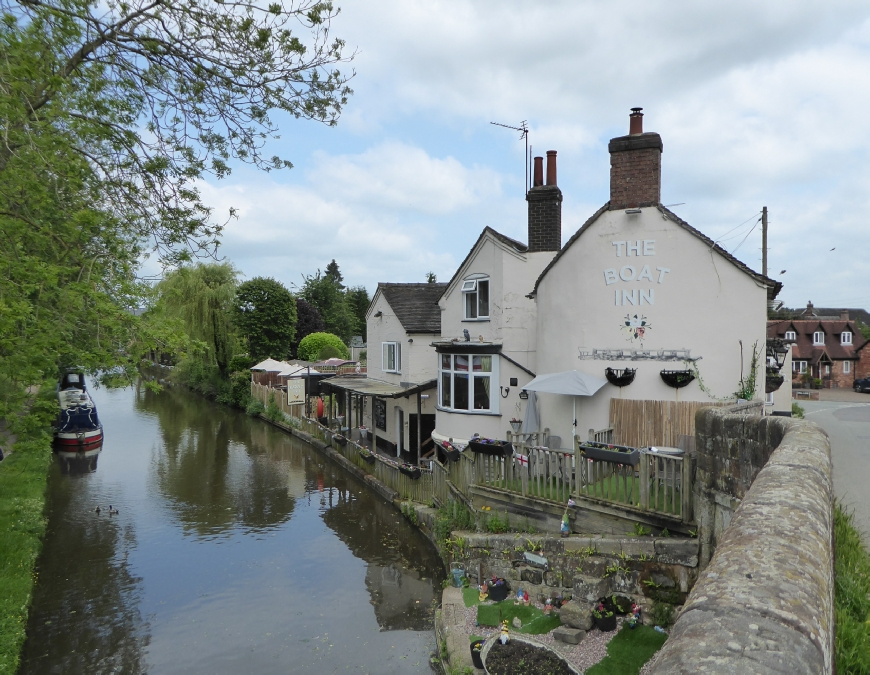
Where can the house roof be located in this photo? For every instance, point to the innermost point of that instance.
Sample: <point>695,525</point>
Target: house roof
<point>518,246</point>
<point>415,305</point>
<point>803,348</point>
<point>772,285</point>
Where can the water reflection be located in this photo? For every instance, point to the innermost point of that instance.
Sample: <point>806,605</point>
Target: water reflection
<point>237,549</point>
<point>88,618</point>
<point>78,463</point>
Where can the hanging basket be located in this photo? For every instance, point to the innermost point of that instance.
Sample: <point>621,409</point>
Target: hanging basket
<point>620,378</point>
<point>367,456</point>
<point>677,378</point>
<point>773,382</point>
<point>491,447</point>
<point>410,470</point>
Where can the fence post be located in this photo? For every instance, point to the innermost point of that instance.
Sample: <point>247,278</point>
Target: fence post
<point>643,479</point>
<point>686,491</point>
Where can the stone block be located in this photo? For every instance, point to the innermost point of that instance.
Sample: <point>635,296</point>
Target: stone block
<point>635,548</point>
<point>576,615</point>
<point>532,576</point>
<point>572,544</point>
<point>677,551</point>
<point>571,636</point>
<point>608,545</point>
<point>594,567</point>
<point>554,578</point>
<point>590,588</point>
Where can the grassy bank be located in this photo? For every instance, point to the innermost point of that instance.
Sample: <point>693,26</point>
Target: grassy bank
<point>851,597</point>
<point>22,525</point>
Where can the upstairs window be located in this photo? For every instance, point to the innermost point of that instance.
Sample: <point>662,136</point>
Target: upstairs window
<point>392,357</point>
<point>790,335</point>
<point>819,337</point>
<point>476,298</point>
<point>845,338</point>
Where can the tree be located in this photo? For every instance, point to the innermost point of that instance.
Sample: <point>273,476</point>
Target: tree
<point>153,95</point>
<point>308,320</point>
<point>202,297</point>
<point>358,301</point>
<point>312,345</point>
<point>334,274</point>
<point>265,314</point>
<point>431,278</point>
<point>328,297</point>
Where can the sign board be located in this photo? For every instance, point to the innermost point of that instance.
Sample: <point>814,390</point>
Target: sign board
<point>295,392</point>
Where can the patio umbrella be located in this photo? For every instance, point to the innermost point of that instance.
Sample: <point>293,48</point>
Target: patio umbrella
<point>531,421</point>
<point>570,382</point>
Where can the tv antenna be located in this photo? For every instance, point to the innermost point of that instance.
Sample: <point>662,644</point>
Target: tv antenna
<point>524,134</point>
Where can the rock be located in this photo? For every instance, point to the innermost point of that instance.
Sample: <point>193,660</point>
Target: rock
<point>590,589</point>
<point>571,636</point>
<point>517,623</point>
<point>576,615</point>
<point>532,576</point>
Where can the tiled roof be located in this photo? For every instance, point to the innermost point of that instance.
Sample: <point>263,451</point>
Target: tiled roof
<point>504,239</point>
<point>803,348</point>
<point>415,305</point>
<point>773,286</point>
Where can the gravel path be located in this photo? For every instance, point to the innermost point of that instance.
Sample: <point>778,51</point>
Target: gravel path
<point>590,651</point>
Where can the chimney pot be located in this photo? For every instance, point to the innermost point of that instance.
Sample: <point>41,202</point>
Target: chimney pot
<point>551,167</point>
<point>635,122</point>
<point>539,172</point>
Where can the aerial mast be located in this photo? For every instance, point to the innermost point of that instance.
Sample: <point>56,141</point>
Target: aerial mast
<point>524,135</point>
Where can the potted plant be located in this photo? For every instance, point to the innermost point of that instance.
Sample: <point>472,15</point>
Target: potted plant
<point>367,456</point>
<point>410,470</point>
<point>476,648</point>
<point>603,618</point>
<point>363,432</point>
<point>498,589</point>
<point>609,452</point>
<point>451,453</point>
<point>490,446</point>
<point>340,440</point>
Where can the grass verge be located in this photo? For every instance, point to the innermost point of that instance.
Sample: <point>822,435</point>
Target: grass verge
<point>851,596</point>
<point>23,477</point>
<point>628,651</point>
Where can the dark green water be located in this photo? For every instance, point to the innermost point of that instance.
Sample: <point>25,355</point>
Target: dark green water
<point>237,549</point>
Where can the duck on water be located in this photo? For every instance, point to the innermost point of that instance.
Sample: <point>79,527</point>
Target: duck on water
<point>78,427</point>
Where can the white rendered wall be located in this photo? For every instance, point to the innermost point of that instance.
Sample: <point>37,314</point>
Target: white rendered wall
<point>693,298</point>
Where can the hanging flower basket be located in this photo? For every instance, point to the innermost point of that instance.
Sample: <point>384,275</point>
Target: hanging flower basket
<point>516,425</point>
<point>773,381</point>
<point>410,470</point>
<point>620,378</point>
<point>367,456</point>
<point>340,440</point>
<point>489,446</point>
<point>677,378</point>
<point>446,450</point>
<point>608,452</point>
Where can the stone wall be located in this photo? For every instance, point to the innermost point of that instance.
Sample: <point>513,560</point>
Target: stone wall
<point>765,602</point>
<point>586,568</point>
<point>732,445</point>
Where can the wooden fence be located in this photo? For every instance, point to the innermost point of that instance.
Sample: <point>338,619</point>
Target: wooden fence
<point>641,424</point>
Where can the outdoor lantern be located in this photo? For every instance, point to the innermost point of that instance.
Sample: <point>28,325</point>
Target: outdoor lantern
<point>777,349</point>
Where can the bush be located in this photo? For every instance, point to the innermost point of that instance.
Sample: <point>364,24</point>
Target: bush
<point>273,410</point>
<point>797,410</point>
<point>851,596</point>
<point>454,516</point>
<point>313,343</point>
<point>498,525</point>
<point>255,407</point>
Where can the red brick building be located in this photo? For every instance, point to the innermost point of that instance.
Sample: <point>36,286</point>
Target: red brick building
<point>827,348</point>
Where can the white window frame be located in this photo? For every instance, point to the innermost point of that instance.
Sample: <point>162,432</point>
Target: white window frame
<point>817,340</point>
<point>391,351</point>
<point>799,367</point>
<point>447,367</point>
<point>471,286</point>
<point>846,337</point>
<point>827,369</point>
<point>791,335</point>
<point>847,367</point>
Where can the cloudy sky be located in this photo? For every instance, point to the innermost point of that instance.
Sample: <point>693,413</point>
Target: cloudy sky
<point>758,104</point>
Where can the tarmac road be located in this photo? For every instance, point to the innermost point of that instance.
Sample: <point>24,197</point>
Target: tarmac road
<point>845,415</point>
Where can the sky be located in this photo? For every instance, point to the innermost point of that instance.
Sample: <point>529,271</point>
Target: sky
<point>758,104</point>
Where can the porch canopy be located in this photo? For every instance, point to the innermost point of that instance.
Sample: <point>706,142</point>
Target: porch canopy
<point>570,383</point>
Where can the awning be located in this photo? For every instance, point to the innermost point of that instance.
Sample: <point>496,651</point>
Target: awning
<point>370,387</point>
<point>570,382</point>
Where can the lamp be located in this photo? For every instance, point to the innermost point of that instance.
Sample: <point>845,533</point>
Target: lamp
<point>777,349</point>
<point>378,313</point>
<point>524,394</point>
<point>504,391</point>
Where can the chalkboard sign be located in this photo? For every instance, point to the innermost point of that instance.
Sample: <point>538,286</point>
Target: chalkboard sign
<point>381,414</point>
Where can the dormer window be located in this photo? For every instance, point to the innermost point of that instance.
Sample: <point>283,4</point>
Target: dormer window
<point>845,338</point>
<point>819,337</point>
<point>476,298</point>
<point>790,335</point>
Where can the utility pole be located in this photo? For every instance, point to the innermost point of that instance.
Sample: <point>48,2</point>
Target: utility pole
<point>764,240</point>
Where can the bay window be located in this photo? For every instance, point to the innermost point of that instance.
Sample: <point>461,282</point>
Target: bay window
<point>466,382</point>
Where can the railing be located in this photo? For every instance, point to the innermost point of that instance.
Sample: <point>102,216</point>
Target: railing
<point>440,489</point>
<point>601,436</point>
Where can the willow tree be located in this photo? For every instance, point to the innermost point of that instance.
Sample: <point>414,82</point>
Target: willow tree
<point>202,297</point>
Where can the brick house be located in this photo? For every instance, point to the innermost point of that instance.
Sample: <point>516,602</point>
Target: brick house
<point>829,348</point>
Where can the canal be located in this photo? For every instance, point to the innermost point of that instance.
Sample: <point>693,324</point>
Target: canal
<point>236,549</point>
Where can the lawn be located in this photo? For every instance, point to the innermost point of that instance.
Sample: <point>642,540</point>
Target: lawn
<point>628,651</point>
<point>534,621</point>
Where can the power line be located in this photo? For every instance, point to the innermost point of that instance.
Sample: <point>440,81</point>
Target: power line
<point>747,236</point>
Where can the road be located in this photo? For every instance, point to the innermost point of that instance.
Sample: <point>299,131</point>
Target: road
<point>845,415</point>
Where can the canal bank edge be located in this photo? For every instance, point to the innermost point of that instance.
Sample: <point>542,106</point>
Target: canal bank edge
<point>23,481</point>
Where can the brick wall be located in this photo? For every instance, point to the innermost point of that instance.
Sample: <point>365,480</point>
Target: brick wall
<point>862,368</point>
<point>635,171</point>
<point>545,218</point>
<point>839,378</point>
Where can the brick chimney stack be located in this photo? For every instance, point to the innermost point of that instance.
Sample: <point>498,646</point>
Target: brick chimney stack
<point>635,166</point>
<point>545,207</point>
<point>844,315</point>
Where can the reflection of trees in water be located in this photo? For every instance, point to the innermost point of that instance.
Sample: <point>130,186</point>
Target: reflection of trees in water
<point>90,621</point>
<point>403,568</point>
<point>215,472</point>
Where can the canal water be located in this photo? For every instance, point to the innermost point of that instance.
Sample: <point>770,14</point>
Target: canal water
<point>236,549</point>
